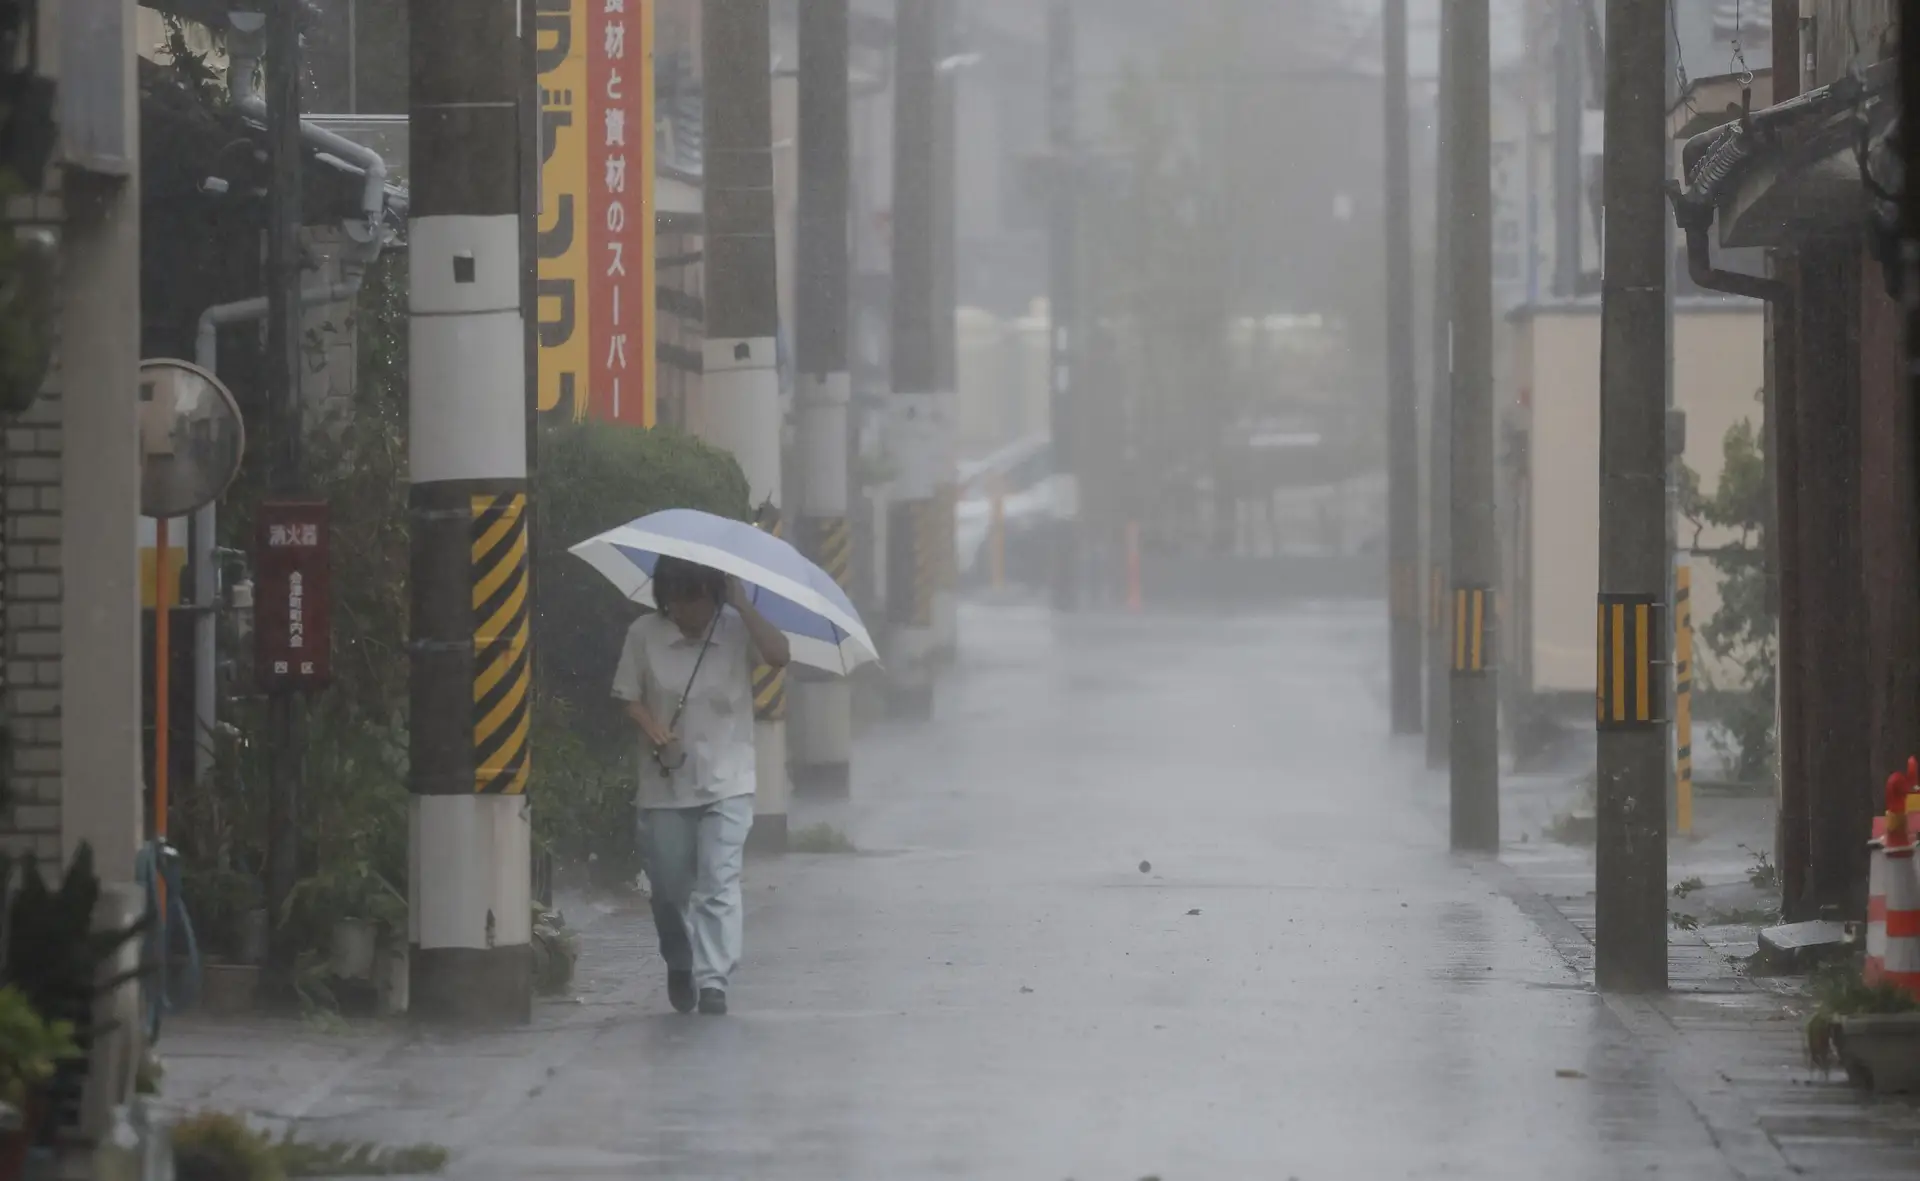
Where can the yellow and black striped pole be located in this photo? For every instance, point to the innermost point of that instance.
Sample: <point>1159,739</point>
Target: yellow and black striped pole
<point>1473,630</point>
<point>1631,671</point>
<point>470,886</point>
<point>502,667</point>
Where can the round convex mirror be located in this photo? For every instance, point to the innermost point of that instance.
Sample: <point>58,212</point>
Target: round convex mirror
<point>191,438</point>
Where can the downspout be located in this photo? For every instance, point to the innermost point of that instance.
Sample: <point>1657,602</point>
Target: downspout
<point>206,707</point>
<point>373,198</point>
<point>206,354</point>
<point>1695,220</point>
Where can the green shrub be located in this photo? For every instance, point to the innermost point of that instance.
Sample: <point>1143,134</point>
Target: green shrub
<point>594,476</point>
<point>216,1146</point>
<point>1742,633</point>
<point>30,1047</point>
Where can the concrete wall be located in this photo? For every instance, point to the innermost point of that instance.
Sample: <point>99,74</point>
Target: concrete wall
<point>1555,363</point>
<point>71,513</point>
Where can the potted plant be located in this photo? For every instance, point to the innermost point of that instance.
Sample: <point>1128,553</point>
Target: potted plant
<point>359,908</point>
<point>221,900</point>
<point>31,1047</point>
<point>1871,1030</point>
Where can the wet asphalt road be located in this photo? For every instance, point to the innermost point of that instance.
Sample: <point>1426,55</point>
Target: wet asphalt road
<point>1304,984</point>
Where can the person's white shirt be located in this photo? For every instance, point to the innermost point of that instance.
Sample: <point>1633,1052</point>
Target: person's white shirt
<point>715,729</point>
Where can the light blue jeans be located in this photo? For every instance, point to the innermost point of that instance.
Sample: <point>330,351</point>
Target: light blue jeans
<point>693,858</point>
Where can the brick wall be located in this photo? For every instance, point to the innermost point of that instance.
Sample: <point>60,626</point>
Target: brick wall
<point>30,590</point>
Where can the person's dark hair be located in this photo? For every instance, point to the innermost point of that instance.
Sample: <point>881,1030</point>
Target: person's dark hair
<point>676,580</point>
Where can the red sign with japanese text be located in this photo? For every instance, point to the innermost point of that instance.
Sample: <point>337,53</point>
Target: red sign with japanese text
<point>620,187</point>
<point>292,623</point>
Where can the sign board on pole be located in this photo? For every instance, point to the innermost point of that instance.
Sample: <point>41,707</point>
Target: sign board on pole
<point>292,617</point>
<point>596,218</point>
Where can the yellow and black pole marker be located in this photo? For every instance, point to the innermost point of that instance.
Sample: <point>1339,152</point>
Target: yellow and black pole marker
<point>1683,699</point>
<point>1473,630</point>
<point>502,655</point>
<point>470,888</point>
<point>821,724</point>
<point>1631,670</point>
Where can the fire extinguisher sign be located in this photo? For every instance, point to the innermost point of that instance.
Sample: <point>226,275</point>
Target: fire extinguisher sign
<point>293,634</point>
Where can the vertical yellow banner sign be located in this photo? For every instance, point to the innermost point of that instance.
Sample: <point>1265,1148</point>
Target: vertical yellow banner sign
<point>596,232</point>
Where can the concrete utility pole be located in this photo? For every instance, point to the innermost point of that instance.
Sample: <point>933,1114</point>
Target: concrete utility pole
<point>1630,943</point>
<point>741,385</point>
<point>823,707</point>
<point>1793,838</point>
<point>1910,197</point>
<point>1569,109</point>
<point>1475,747</point>
<point>470,866</point>
<point>284,709</point>
<point>1403,408</point>
<point>946,606</point>
<point>1064,292</point>
<point>919,412</point>
<point>1439,426</point>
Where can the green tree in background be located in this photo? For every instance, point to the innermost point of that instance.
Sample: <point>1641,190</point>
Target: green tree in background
<point>1742,634</point>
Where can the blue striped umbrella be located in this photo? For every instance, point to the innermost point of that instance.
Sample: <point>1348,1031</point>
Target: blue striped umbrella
<point>798,597</point>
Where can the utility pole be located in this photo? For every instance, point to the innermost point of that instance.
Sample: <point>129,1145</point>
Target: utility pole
<point>1475,746</point>
<point>1063,303</point>
<point>918,411</point>
<point>741,385</point>
<point>1910,197</point>
<point>946,606</point>
<point>1793,839</point>
<point>1403,409</point>
<point>822,706</point>
<point>470,887</point>
<point>1440,424</point>
<point>1569,108</point>
<point>284,708</point>
<point>1630,943</point>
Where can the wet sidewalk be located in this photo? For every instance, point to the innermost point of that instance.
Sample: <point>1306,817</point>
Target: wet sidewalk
<point>1733,1042</point>
<point>1131,907</point>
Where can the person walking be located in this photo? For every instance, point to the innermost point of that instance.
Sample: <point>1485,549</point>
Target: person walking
<point>686,678</point>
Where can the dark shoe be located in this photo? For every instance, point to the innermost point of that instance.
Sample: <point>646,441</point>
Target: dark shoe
<point>680,991</point>
<point>713,1002</point>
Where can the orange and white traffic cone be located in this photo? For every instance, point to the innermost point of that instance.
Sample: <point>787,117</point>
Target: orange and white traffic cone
<point>1883,825</point>
<point>1900,964</point>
